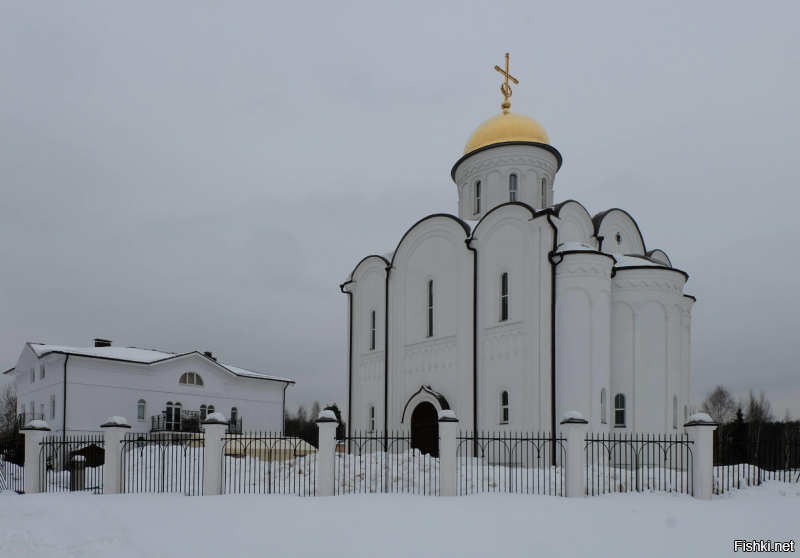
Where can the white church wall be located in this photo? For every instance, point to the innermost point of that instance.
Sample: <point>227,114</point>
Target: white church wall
<point>583,282</point>
<point>618,222</point>
<point>575,225</point>
<point>493,166</point>
<point>434,249</point>
<point>647,357</point>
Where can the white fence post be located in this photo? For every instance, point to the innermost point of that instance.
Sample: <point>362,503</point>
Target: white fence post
<point>574,428</point>
<point>215,426</point>
<point>35,432</point>
<point>700,428</point>
<point>448,446</point>
<point>114,431</point>
<point>326,458</point>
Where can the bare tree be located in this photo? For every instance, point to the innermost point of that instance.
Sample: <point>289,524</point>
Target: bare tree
<point>758,410</point>
<point>720,405</point>
<point>8,407</point>
<point>315,410</point>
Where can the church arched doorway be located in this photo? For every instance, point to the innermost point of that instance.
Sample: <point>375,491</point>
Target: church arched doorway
<point>425,429</point>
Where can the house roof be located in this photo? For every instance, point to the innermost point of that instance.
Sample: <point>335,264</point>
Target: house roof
<point>142,356</point>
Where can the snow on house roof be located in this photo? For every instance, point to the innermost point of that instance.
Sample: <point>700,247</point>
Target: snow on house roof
<point>141,356</point>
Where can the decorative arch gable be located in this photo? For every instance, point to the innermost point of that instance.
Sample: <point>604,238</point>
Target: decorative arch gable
<point>425,393</point>
<point>576,224</point>
<point>611,222</point>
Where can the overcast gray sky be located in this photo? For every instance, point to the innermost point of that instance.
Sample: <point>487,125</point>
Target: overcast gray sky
<point>198,175</point>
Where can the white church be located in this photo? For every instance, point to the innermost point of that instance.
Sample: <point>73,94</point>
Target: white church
<point>518,309</point>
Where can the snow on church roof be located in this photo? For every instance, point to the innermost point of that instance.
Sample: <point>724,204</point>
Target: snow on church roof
<point>141,356</point>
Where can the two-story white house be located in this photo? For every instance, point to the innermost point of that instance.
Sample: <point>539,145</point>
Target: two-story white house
<point>77,389</point>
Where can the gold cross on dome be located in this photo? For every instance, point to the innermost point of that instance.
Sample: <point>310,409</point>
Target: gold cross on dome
<point>505,89</point>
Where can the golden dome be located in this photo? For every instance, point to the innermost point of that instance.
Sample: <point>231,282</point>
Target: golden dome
<point>504,127</point>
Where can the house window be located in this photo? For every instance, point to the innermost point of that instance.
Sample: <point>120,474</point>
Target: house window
<point>33,375</point>
<point>372,330</point>
<point>685,414</point>
<point>33,410</point>
<point>141,411</point>
<point>674,411</point>
<point>203,412</point>
<point>41,372</point>
<point>234,414</point>
<point>504,297</point>
<point>477,197</point>
<point>603,406</point>
<point>191,379</point>
<point>372,418</point>
<point>173,418</point>
<point>430,308</point>
<point>211,410</point>
<point>544,193</point>
<point>619,410</point>
<point>41,408</point>
<point>503,407</point>
<point>52,406</point>
<point>512,187</point>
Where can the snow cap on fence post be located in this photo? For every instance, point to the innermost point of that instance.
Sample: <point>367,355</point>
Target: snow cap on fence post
<point>35,432</point>
<point>326,423</point>
<point>448,468</point>
<point>114,430</point>
<point>215,427</point>
<point>574,428</point>
<point>700,428</point>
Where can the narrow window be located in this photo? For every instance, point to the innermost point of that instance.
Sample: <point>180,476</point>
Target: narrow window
<point>33,375</point>
<point>41,408</point>
<point>211,410</point>
<point>477,197</point>
<point>372,331</point>
<point>618,238</point>
<point>504,297</point>
<point>512,187</point>
<point>544,193</point>
<point>619,410</point>
<point>430,308</point>
<point>203,412</point>
<point>41,372</point>
<point>33,411</point>
<point>142,409</point>
<point>603,406</point>
<point>52,406</point>
<point>503,407</point>
<point>234,414</point>
<point>372,418</point>
<point>674,411</point>
<point>685,414</point>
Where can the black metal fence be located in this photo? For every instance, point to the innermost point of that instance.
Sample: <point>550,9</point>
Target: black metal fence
<point>268,463</point>
<point>163,462</point>
<point>12,462</point>
<point>72,464</point>
<point>750,463</point>
<point>371,462</point>
<point>638,462</point>
<point>510,462</point>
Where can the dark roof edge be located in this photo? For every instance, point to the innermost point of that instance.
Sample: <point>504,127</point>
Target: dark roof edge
<point>544,146</point>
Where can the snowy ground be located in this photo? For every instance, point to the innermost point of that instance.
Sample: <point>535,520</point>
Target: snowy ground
<point>389,525</point>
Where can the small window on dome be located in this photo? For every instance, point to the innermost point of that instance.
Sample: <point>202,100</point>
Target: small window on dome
<point>512,188</point>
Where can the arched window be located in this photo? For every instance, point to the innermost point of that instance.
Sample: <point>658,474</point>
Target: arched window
<point>203,412</point>
<point>674,411</point>
<point>512,187</point>
<point>52,406</point>
<point>430,308</point>
<point>504,407</point>
<point>141,411</point>
<point>372,330</point>
<point>603,406</point>
<point>211,409</point>
<point>372,418</point>
<point>191,379</point>
<point>477,197</point>
<point>234,414</point>
<point>544,193</point>
<point>619,410</point>
<point>504,297</point>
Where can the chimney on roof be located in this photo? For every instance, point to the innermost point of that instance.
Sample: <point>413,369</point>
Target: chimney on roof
<point>102,343</point>
<point>209,355</point>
